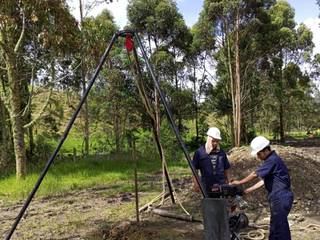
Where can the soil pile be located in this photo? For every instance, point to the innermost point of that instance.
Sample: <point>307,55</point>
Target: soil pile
<point>304,171</point>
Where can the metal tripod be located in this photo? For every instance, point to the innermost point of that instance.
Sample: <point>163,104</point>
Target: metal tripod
<point>135,36</point>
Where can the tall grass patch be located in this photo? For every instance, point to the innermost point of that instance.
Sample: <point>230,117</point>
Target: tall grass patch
<point>68,175</point>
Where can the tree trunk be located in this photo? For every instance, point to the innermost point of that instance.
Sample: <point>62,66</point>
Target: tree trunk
<point>234,120</point>
<point>28,104</point>
<point>237,86</point>
<point>177,90</point>
<point>117,133</point>
<point>86,132</point>
<point>228,66</point>
<point>86,122</point>
<point>5,137</point>
<point>31,142</point>
<point>195,102</point>
<point>16,118</point>
<point>230,121</point>
<point>281,125</point>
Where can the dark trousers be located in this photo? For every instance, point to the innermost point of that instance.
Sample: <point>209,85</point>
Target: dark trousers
<point>280,206</point>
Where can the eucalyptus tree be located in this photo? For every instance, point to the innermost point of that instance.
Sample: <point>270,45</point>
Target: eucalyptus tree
<point>198,57</point>
<point>303,105</point>
<point>236,27</point>
<point>113,90</point>
<point>290,48</point>
<point>85,7</point>
<point>168,39</point>
<point>84,80</point>
<point>52,23</point>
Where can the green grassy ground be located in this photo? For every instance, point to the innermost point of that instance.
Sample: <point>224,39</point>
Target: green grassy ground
<point>68,175</point>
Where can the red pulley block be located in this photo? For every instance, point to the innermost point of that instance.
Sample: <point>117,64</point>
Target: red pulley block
<point>129,42</point>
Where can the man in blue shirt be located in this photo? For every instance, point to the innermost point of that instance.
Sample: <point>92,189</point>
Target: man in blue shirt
<point>274,175</point>
<point>212,162</point>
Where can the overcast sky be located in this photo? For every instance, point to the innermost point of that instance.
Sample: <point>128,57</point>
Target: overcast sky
<point>306,11</point>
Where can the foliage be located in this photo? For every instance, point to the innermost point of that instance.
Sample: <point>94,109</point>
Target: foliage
<point>30,30</point>
<point>47,58</point>
<point>164,27</point>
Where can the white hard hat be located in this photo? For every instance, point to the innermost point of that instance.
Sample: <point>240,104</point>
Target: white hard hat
<point>258,144</point>
<point>214,133</point>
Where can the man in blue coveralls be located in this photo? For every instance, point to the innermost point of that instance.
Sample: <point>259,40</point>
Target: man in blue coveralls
<point>212,162</point>
<point>274,175</point>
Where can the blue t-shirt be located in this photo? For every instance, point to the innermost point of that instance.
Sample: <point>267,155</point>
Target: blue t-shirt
<point>275,174</point>
<point>211,166</point>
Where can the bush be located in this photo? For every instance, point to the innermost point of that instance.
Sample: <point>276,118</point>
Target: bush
<point>43,149</point>
<point>145,143</point>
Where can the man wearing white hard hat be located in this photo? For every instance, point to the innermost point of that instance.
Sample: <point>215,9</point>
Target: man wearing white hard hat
<point>274,175</point>
<point>212,161</point>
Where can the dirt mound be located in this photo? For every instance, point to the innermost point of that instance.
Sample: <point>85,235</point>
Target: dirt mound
<point>122,231</point>
<point>155,227</point>
<point>304,172</point>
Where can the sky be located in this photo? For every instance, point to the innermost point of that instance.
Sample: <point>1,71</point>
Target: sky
<point>306,11</point>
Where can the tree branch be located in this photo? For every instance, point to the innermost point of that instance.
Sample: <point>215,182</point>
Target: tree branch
<point>2,44</point>
<point>40,112</point>
<point>19,42</point>
<point>26,109</point>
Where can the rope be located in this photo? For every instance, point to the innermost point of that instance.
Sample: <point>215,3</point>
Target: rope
<point>257,234</point>
<point>180,203</point>
<point>310,227</point>
<point>173,189</point>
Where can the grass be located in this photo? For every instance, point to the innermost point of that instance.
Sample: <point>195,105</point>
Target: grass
<point>298,135</point>
<point>73,141</point>
<point>68,175</point>
<point>294,134</point>
<point>108,170</point>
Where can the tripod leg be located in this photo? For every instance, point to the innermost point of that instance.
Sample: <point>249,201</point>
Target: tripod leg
<point>234,236</point>
<point>169,115</point>
<point>63,138</point>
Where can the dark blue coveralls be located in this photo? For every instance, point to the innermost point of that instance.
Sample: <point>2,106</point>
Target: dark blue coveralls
<point>211,166</point>
<point>276,178</point>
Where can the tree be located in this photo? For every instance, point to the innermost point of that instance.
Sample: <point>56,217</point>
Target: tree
<point>168,39</point>
<point>291,47</point>
<point>85,7</point>
<point>197,60</point>
<point>83,80</point>
<point>17,18</point>
<point>96,33</point>
<point>233,21</point>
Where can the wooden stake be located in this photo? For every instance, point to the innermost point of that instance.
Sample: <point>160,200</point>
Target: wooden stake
<point>135,179</point>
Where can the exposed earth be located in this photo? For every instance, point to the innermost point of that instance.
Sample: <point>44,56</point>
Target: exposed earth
<point>93,214</point>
